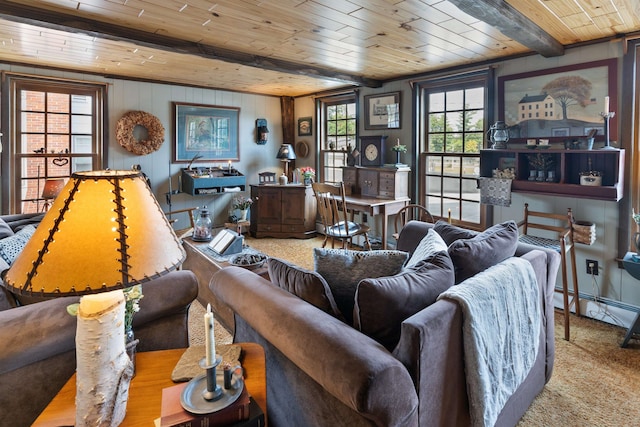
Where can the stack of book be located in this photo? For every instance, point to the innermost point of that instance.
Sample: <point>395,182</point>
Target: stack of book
<point>244,412</point>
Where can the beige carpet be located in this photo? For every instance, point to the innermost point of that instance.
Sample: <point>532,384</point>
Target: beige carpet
<point>595,383</point>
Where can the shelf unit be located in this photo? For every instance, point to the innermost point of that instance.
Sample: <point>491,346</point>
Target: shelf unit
<point>213,182</point>
<point>567,166</point>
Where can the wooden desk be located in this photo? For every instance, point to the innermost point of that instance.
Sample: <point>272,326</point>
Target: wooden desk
<point>374,206</point>
<point>153,373</point>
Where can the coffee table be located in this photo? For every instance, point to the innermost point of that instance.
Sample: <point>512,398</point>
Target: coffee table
<point>202,261</point>
<point>153,373</point>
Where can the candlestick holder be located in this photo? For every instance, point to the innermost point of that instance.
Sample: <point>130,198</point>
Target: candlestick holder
<point>203,394</point>
<point>606,117</point>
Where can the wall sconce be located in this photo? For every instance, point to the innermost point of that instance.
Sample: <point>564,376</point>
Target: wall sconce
<point>262,132</point>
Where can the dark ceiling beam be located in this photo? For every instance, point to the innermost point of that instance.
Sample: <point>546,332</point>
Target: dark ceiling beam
<point>75,24</point>
<point>511,23</point>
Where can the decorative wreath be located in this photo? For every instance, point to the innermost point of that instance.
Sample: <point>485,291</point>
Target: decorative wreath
<point>126,125</point>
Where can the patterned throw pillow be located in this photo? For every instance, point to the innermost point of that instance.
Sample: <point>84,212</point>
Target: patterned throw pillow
<point>10,247</point>
<point>343,269</point>
<point>307,285</point>
<point>430,244</point>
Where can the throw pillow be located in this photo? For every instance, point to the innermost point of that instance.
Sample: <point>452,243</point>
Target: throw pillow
<point>343,269</point>
<point>10,247</point>
<point>307,285</point>
<point>450,233</point>
<point>5,229</point>
<point>381,305</point>
<point>486,249</point>
<point>430,244</point>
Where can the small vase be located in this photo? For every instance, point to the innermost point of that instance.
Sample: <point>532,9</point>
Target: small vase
<point>130,346</point>
<point>243,214</point>
<point>397,157</point>
<point>636,241</point>
<point>307,181</point>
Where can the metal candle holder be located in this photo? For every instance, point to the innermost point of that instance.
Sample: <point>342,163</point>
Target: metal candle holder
<point>213,391</point>
<point>203,394</point>
<point>606,117</point>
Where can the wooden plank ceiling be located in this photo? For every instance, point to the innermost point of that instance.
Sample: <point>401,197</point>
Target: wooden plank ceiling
<point>295,47</point>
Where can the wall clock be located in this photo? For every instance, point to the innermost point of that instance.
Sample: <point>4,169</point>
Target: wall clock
<point>372,149</point>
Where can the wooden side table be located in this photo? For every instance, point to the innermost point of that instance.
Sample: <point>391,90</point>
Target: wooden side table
<point>153,373</point>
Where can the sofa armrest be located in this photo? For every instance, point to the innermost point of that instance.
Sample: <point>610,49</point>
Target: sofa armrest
<point>430,347</point>
<point>350,366</point>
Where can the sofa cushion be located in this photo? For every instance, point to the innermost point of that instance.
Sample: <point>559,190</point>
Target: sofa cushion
<point>382,304</point>
<point>343,269</point>
<point>10,247</point>
<point>430,244</point>
<point>486,249</point>
<point>305,284</point>
<point>5,229</point>
<point>450,233</point>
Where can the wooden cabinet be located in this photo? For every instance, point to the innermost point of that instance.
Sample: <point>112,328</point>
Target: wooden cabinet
<point>382,183</point>
<point>283,211</point>
<point>567,167</point>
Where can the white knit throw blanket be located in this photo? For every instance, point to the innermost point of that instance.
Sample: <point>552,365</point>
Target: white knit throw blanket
<point>501,329</point>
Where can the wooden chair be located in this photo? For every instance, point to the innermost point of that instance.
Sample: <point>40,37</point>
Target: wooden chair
<point>331,210</point>
<point>563,244</point>
<point>181,232</point>
<point>409,213</point>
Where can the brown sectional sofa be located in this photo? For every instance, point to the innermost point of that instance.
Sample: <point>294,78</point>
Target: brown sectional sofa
<point>322,371</point>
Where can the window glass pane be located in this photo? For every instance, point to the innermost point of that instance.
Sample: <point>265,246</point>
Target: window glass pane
<point>471,166</point>
<point>452,166</point>
<point>454,143</point>
<point>331,128</point>
<point>57,123</point>
<point>455,100</point>
<point>57,143</point>
<point>472,142</point>
<point>436,143</point>
<point>451,187</point>
<point>436,122</point>
<point>32,167</point>
<point>474,97</point>
<point>81,104</point>
<point>470,212</point>
<point>58,168</point>
<point>434,205</point>
<point>434,164</point>
<point>80,144</point>
<point>82,124</point>
<point>32,101</point>
<point>58,102</point>
<point>81,164</point>
<point>31,143</point>
<point>436,101</point>
<point>434,185</point>
<point>32,122</point>
<point>473,120</point>
<point>455,122</point>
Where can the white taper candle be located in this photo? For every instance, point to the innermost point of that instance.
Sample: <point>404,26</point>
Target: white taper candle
<point>209,337</point>
<point>606,105</point>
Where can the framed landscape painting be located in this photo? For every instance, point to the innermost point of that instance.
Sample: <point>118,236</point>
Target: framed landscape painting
<point>560,103</point>
<point>205,133</point>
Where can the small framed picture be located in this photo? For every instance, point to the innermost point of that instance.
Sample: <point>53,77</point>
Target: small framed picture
<point>304,126</point>
<point>382,111</point>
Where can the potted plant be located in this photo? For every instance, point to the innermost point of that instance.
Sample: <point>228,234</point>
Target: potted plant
<point>242,204</point>
<point>399,148</point>
<point>308,174</point>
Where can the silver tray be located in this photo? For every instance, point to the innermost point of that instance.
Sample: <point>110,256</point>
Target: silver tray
<point>192,400</point>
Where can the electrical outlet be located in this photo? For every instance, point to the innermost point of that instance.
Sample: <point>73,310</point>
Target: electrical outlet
<point>592,267</point>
